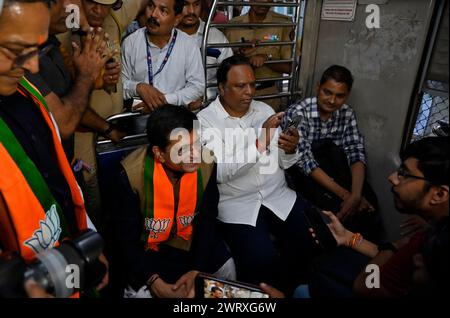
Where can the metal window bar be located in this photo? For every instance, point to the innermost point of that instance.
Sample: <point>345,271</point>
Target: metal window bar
<point>268,62</point>
<point>260,80</point>
<point>292,92</point>
<point>434,109</point>
<point>251,3</point>
<point>424,118</point>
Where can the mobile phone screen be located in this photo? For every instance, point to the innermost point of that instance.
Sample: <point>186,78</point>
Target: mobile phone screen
<point>209,287</point>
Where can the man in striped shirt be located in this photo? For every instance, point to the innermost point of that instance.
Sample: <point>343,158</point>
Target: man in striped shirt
<point>332,155</point>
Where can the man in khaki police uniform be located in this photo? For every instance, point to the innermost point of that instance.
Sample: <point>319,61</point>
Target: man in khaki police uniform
<point>107,97</point>
<point>259,55</point>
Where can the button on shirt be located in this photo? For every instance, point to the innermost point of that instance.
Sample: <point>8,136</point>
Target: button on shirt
<point>341,127</point>
<point>182,79</point>
<point>245,185</point>
<point>215,56</point>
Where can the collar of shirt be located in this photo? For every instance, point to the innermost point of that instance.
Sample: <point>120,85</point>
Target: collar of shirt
<point>154,45</point>
<point>223,114</point>
<point>201,29</point>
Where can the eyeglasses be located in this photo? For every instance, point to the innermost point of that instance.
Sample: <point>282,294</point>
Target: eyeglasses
<point>402,174</point>
<point>20,60</point>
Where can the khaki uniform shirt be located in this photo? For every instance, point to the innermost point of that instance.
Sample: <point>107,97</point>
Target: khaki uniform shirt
<point>103,102</point>
<point>276,34</point>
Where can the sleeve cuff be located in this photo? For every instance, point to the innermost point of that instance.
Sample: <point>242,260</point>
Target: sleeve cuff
<point>130,90</point>
<point>171,99</point>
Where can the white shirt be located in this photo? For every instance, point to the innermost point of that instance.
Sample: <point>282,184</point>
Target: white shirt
<point>244,186</point>
<point>182,79</point>
<point>214,36</point>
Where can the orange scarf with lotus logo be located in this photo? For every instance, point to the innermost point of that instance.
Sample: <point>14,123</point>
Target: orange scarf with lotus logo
<point>35,216</point>
<point>159,211</point>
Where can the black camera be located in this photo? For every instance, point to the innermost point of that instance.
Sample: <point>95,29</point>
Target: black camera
<point>61,271</point>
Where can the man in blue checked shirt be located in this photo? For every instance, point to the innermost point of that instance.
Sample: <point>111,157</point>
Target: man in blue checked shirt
<point>331,169</point>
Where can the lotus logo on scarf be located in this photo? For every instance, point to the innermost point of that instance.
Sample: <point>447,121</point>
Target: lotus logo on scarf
<point>48,233</point>
<point>186,220</point>
<point>155,226</point>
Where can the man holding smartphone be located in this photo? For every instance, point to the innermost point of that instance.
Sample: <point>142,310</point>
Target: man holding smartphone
<point>331,168</point>
<point>255,203</point>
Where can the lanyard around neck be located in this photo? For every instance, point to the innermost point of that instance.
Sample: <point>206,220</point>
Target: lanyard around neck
<point>166,58</point>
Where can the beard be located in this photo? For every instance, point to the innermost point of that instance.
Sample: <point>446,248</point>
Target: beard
<point>407,205</point>
<point>194,17</point>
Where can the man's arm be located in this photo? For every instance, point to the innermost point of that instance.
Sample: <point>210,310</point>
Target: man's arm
<point>195,80</point>
<point>69,110</point>
<point>227,167</point>
<point>88,62</point>
<point>128,67</point>
<point>127,225</point>
<point>280,67</point>
<point>95,122</point>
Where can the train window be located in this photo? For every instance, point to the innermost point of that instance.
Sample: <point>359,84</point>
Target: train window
<point>430,114</point>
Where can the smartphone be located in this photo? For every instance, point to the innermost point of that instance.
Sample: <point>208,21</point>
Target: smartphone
<point>319,221</point>
<point>293,123</point>
<point>207,286</point>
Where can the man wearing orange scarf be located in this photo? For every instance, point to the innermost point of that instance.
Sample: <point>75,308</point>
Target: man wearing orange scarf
<point>165,225</point>
<point>40,202</point>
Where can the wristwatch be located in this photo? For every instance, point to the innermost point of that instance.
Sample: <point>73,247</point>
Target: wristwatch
<point>387,246</point>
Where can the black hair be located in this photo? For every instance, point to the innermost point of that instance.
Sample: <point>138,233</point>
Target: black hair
<point>178,6</point>
<point>433,156</point>
<point>164,120</point>
<point>338,73</point>
<point>227,64</point>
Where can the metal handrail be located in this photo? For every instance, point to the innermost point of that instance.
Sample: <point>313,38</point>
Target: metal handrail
<point>293,44</point>
<point>252,25</point>
<point>243,44</point>
<point>259,80</point>
<point>261,4</point>
<point>267,62</point>
<point>125,115</point>
<point>126,138</point>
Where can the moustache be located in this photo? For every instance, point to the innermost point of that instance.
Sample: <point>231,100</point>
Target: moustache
<point>152,21</point>
<point>193,16</point>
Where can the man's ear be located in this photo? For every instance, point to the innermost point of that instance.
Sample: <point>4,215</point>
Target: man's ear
<point>221,89</point>
<point>178,18</point>
<point>440,194</point>
<point>158,154</point>
<point>317,88</point>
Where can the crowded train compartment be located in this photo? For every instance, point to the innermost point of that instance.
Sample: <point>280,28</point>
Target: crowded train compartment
<point>353,88</point>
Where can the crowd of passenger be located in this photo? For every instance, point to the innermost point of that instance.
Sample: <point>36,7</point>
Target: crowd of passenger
<point>284,203</point>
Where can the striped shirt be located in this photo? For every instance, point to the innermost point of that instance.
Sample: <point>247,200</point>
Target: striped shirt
<point>341,128</point>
